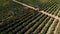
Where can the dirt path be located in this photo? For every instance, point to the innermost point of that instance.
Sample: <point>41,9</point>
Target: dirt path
<point>56,17</point>
<point>24,4</point>
<point>56,27</point>
<point>49,30</point>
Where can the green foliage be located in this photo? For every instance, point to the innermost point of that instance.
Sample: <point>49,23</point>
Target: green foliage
<point>53,27</point>
<point>44,30</point>
<point>8,7</point>
<point>4,3</point>
<point>59,13</point>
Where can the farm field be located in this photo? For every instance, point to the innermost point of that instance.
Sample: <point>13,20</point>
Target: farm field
<point>58,29</point>
<point>18,17</point>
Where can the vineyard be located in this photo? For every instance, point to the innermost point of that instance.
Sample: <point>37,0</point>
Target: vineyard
<point>16,18</point>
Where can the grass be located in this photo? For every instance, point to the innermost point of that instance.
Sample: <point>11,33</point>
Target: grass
<point>35,3</point>
<point>8,7</point>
